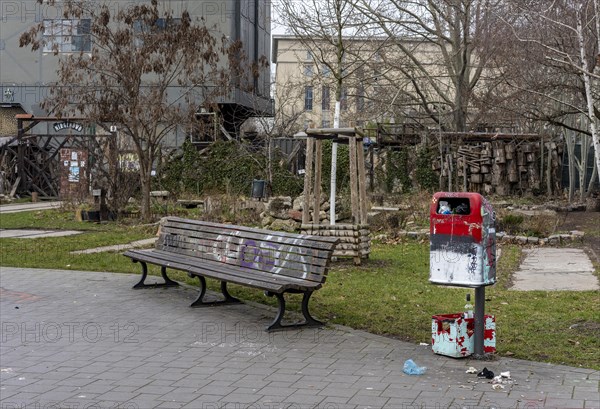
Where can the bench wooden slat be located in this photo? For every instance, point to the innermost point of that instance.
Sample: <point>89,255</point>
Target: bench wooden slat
<point>260,258</point>
<point>217,271</point>
<point>277,262</point>
<point>192,263</point>
<point>238,239</point>
<point>298,240</point>
<point>308,273</point>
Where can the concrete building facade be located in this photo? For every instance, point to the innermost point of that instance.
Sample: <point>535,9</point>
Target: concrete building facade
<point>26,76</point>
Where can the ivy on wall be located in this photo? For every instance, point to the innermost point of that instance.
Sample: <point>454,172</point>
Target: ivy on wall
<point>226,167</point>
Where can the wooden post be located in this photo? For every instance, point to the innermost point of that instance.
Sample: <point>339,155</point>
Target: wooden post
<point>541,159</point>
<point>450,170</point>
<point>465,167</point>
<point>353,181</point>
<point>549,171</point>
<point>21,179</point>
<point>308,174</point>
<point>362,181</point>
<point>317,188</point>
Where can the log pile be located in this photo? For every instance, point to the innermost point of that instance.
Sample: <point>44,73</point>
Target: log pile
<point>354,238</point>
<point>501,167</point>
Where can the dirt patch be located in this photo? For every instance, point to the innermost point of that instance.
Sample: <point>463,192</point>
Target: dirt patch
<point>588,222</point>
<point>588,327</point>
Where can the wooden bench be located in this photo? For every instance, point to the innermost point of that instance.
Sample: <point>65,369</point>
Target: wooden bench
<point>276,262</point>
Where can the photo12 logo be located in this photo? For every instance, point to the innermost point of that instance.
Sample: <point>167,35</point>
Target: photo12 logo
<point>70,405</point>
<point>67,332</point>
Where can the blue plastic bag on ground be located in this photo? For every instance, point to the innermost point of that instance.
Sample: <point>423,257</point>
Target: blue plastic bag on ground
<point>410,368</point>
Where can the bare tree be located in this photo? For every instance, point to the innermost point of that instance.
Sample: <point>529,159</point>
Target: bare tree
<point>331,31</point>
<point>148,71</point>
<point>442,48</point>
<point>563,38</point>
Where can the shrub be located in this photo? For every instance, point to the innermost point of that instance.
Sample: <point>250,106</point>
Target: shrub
<point>511,223</point>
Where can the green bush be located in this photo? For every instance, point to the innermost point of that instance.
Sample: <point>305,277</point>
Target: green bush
<point>511,223</point>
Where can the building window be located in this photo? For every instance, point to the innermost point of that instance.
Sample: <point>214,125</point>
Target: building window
<point>309,55</point>
<point>308,70</point>
<point>67,35</point>
<point>344,100</point>
<point>142,29</point>
<point>326,70</point>
<point>360,98</point>
<point>326,98</point>
<point>160,24</point>
<point>325,123</point>
<point>308,98</point>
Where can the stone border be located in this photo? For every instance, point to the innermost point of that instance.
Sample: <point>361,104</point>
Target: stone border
<point>502,237</point>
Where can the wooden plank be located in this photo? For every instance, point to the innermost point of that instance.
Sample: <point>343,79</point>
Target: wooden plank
<point>15,186</point>
<point>301,240</point>
<point>248,229</point>
<point>229,250</point>
<point>353,182</point>
<point>220,271</point>
<point>179,265</point>
<point>300,247</point>
<point>264,259</point>
<point>236,253</point>
<point>290,268</point>
<point>308,182</point>
<point>362,184</point>
<point>317,185</point>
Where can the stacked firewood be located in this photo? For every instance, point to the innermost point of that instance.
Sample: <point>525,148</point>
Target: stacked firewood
<point>502,167</point>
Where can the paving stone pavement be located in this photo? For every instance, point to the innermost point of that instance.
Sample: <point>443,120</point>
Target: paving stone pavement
<point>87,340</point>
<point>28,207</point>
<point>555,269</point>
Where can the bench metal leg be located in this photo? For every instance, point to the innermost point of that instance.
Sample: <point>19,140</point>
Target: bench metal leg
<point>229,299</point>
<point>309,321</point>
<point>163,272</point>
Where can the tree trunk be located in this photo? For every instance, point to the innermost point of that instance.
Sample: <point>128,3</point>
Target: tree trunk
<point>587,81</point>
<point>270,160</point>
<point>146,184</point>
<point>571,156</point>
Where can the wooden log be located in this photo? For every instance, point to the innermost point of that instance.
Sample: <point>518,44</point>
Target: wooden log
<point>497,174</point>
<point>510,151</point>
<point>501,190</point>
<point>362,185</point>
<point>353,181</point>
<point>476,178</point>
<point>308,174</point>
<point>317,185</point>
<point>485,169</point>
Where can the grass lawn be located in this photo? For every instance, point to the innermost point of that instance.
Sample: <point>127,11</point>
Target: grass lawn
<point>389,294</point>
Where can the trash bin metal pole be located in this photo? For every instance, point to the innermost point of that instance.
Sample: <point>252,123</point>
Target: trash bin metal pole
<point>479,320</point>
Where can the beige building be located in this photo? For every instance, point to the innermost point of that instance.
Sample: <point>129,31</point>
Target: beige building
<point>381,83</point>
<point>305,87</point>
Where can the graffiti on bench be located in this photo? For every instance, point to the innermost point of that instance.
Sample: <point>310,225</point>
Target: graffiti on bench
<point>274,254</point>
